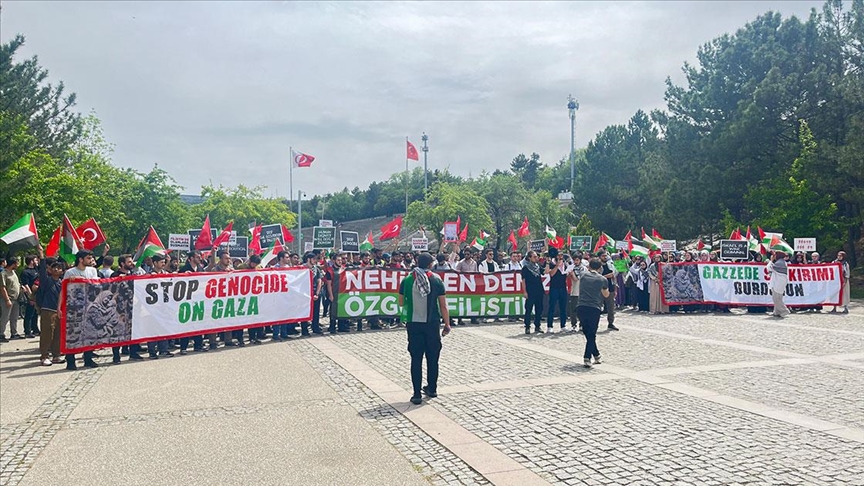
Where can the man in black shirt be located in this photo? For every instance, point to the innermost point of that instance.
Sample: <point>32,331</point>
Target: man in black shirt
<point>557,289</point>
<point>29,279</point>
<point>607,270</point>
<point>532,289</point>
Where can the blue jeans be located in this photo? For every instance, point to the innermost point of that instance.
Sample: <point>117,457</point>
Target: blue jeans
<point>280,330</point>
<point>557,297</point>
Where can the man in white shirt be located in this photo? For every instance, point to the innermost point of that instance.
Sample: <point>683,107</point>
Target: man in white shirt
<point>83,270</point>
<point>515,263</point>
<point>489,265</point>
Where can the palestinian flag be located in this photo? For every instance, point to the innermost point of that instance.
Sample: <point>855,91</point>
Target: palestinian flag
<point>22,234</point>
<point>610,243</point>
<point>271,253</point>
<point>778,244</point>
<point>368,243</point>
<point>649,242</point>
<point>638,250</point>
<point>479,244</point>
<point>149,246</point>
<point>481,240</point>
<point>70,242</point>
<point>550,233</point>
<point>753,243</point>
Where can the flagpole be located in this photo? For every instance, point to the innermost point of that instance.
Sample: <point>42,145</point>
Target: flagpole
<point>406,176</point>
<point>291,178</point>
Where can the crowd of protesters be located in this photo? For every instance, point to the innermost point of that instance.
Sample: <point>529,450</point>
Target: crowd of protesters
<point>634,285</point>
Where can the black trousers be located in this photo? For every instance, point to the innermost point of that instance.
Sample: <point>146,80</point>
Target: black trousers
<point>424,340</point>
<point>316,318</point>
<point>589,317</point>
<point>533,303</point>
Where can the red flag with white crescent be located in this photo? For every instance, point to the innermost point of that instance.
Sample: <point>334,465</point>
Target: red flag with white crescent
<point>91,234</point>
<point>299,159</point>
<point>412,151</point>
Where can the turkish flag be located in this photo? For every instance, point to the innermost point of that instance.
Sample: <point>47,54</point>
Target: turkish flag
<point>299,159</point>
<point>205,239</point>
<point>523,230</point>
<point>512,240</point>
<point>91,234</point>
<point>392,229</point>
<point>224,236</point>
<point>463,236</point>
<point>287,237</point>
<point>54,245</point>
<point>255,244</point>
<point>558,242</point>
<point>412,151</point>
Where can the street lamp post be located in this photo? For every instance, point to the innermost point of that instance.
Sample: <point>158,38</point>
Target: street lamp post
<point>425,139</point>
<point>572,106</point>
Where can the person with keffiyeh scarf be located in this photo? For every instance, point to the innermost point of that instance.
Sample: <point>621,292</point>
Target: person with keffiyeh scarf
<point>423,306</point>
<point>532,289</point>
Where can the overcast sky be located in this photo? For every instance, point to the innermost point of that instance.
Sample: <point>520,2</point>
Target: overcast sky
<point>219,91</point>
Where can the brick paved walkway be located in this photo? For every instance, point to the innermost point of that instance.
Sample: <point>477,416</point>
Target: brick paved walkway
<point>682,399</point>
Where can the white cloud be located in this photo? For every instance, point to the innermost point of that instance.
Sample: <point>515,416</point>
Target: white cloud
<point>218,91</point>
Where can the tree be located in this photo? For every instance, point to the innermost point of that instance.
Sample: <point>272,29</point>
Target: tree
<point>508,203</point>
<point>526,169</point>
<point>242,205</point>
<point>45,109</point>
<point>445,202</point>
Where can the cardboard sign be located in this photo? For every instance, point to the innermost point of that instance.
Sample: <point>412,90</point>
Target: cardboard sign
<point>537,245</point>
<point>621,245</point>
<point>450,232</point>
<point>419,244</point>
<point>734,250</point>
<point>232,240</point>
<point>269,234</point>
<point>350,241</point>
<point>324,237</point>
<point>325,223</point>
<point>239,248</point>
<point>179,242</point>
<point>805,244</point>
<point>581,243</point>
<point>308,246</point>
<point>193,235</point>
<point>668,245</point>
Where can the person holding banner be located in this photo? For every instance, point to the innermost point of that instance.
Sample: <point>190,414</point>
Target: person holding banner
<point>309,260</point>
<point>655,300</point>
<point>779,271</point>
<point>83,269</point>
<point>48,299</point>
<point>161,346</point>
<point>423,303</point>
<point>844,300</point>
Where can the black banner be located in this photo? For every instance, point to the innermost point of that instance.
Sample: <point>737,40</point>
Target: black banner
<point>734,250</point>
<point>350,241</point>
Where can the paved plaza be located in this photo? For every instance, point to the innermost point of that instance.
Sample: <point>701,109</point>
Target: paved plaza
<point>682,399</point>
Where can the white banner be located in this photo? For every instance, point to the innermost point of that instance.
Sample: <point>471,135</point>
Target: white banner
<point>181,304</point>
<point>749,284</point>
<point>117,311</point>
<point>805,244</point>
<point>419,244</point>
<point>180,242</point>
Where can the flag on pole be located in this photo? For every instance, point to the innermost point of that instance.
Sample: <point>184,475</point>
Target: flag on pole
<point>70,242</point>
<point>601,242</point>
<point>392,229</point>
<point>299,159</point>
<point>150,245</point>
<point>368,243</point>
<point>205,239</point>
<point>550,233</point>
<point>255,244</point>
<point>463,235</point>
<point>701,245</point>
<point>557,242</point>
<point>54,244</point>
<point>778,244</point>
<point>287,236</point>
<point>272,253</point>
<point>638,250</point>
<point>649,242</point>
<point>22,234</point>
<point>411,152</point>
<point>656,235</point>
<point>523,230</point>
<point>512,239</point>
<point>224,236</point>
<point>91,234</point>
<point>609,244</point>
<point>458,223</point>
<point>629,239</point>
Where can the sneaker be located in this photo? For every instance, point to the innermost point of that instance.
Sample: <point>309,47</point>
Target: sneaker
<point>538,330</point>
<point>91,364</point>
<point>845,310</point>
<point>29,335</point>
<point>612,327</point>
<point>58,360</point>
<point>167,354</point>
<point>597,360</point>
<point>16,336</point>
<point>587,363</point>
<point>527,330</point>
<point>115,360</point>
<point>416,400</point>
<point>183,352</point>
<point>430,394</point>
<point>135,357</point>
<point>46,362</point>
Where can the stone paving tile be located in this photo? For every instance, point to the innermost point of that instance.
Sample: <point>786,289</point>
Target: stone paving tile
<point>628,432</point>
<point>21,443</point>
<point>633,349</point>
<point>823,391</point>
<point>436,463</point>
<point>465,359</point>
<point>715,326</point>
